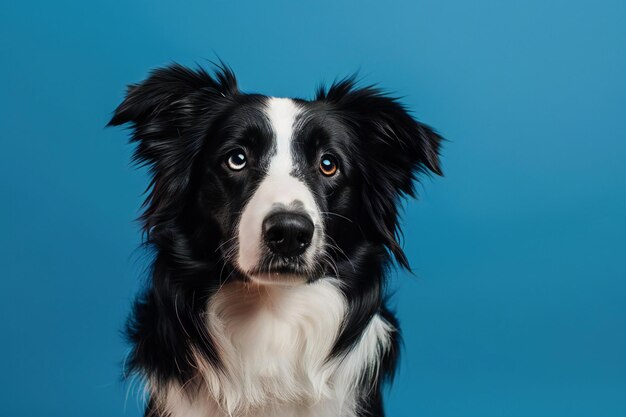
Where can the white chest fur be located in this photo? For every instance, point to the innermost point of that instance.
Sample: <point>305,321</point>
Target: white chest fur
<point>274,343</point>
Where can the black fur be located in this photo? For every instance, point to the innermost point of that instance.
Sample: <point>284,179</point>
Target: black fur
<point>184,122</point>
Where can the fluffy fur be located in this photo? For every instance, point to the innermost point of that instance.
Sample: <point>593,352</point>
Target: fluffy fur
<point>227,325</point>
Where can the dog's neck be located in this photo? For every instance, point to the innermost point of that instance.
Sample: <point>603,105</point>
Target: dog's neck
<point>275,347</point>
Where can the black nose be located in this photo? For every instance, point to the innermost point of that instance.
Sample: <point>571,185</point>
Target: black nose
<point>288,234</point>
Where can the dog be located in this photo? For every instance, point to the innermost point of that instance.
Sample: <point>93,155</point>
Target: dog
<point>273,222</point>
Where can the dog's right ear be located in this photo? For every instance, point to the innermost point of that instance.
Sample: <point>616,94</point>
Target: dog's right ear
<point>395,149</point>
<point>170,114</point>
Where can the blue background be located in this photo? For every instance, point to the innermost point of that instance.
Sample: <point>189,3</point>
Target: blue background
<point>518,304</point>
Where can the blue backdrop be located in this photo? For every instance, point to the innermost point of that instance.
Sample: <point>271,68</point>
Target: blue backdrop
<point>518,304</point>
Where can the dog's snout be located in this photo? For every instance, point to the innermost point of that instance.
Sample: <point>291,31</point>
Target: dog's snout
<point>287,233</point>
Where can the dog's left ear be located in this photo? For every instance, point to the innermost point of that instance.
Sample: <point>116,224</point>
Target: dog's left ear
<point>394,149</point>
<point>170,114</point>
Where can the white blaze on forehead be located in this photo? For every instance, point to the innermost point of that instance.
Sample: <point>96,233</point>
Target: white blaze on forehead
<point>282,113</point>
<point>279,187</point>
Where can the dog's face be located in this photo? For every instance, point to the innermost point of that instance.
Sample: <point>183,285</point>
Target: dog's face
<point>281,190</point>
<point>276,166</point>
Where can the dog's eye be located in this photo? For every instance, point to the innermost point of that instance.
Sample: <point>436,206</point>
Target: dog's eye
<point>328,165</point>
<point>236,160</point>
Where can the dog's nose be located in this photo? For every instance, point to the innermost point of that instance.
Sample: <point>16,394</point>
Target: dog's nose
<point>287,233</point>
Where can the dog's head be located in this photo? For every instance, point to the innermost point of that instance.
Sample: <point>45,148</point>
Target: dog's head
<point>273,190</point>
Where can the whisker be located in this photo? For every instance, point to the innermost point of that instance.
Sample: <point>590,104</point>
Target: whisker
<point>225,242</point>
<point>337,214</point>
<point>334,246</point>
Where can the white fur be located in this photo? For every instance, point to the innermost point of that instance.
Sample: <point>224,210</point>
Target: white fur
<point>279,187</point>
<point>274,343</point>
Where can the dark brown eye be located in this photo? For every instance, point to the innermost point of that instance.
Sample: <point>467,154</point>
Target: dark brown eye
<point>328,165</point>
<point>236,160</point>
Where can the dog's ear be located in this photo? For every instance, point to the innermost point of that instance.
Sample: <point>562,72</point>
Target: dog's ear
<point>170,114</point>
<point>394,149</point>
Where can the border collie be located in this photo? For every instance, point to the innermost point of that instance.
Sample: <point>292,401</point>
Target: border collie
<point>273,222</point>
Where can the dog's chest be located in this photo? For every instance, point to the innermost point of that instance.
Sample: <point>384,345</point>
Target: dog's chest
<point>275,346</point>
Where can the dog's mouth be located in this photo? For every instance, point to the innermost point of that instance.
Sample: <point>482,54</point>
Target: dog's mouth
<point>283,270</point>
<point>271,268</point>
